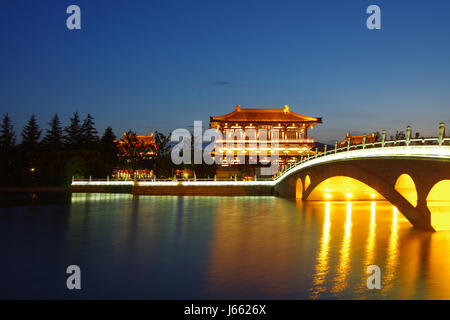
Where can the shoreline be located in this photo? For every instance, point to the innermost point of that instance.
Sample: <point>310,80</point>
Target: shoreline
<point>34,189</point>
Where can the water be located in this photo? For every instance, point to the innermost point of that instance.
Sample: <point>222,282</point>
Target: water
<point>169,247</point>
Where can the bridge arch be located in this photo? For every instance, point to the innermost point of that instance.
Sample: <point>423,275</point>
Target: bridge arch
<point>440,191</point>
<point>418,216</point>
<point>343,188</point>
<point>407,188</point>
<point>438,201</point>
<point>307,181</point>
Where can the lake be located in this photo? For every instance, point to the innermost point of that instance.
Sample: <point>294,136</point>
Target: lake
<point>171,247</point>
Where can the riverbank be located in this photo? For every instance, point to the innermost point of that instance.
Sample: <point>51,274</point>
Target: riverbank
<point>201,188</point>
<point>34,189</point>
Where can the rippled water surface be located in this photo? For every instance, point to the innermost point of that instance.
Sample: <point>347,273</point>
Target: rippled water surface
<point>164,247</point>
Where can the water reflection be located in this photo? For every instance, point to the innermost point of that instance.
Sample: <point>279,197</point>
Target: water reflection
<point>163,247</point>
<point>322,267</point>
<point>370,252</point>
<point>392,253</point>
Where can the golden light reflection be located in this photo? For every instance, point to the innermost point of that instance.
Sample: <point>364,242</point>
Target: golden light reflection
<point>341,188</point>
<point>343,267</point>
<point>406,187</point>
<point>392,253</point>
<point>370,249</point>
<point>307,182</point>
<point>322,266</point>
<point>299,189</point>
<point>438,201</point>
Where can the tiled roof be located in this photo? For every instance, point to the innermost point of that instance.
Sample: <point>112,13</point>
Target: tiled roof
<point>265,115</point>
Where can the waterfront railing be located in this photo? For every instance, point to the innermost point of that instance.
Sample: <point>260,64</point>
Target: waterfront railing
<point>426,143</point>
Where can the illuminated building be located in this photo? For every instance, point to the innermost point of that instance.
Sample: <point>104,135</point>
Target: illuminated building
<point>357,139</point>
<point>147,140</point>
<point>148,147</point>
<point>265,123</point>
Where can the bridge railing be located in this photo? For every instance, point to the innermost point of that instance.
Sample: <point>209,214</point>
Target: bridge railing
<point>440,141</point>
<point>141,179</point>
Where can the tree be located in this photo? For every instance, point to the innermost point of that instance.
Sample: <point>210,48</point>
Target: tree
<point>54,138</point>
<point>399,135</point>
<point>161,144</point>
<point>108,137</point>
<point>109,145</point>
<point>132,150</point>
<point>7,134</point>
<point>88,131</point>
<point>162,163</point>
<point>31,133</point>
<point>8,165</point>
<point>73,131</point>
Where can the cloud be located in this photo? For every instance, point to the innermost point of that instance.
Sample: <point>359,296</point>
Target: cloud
<point>223,83</point>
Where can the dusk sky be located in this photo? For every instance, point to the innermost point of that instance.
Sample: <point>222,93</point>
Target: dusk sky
<point>160,65</point>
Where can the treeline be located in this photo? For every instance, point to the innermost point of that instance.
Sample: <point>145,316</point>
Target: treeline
<point>53,157</point>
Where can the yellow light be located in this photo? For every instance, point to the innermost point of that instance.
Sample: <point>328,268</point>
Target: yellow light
<point>327,195</point>
<point>372,195</point>
<point>348,194</point>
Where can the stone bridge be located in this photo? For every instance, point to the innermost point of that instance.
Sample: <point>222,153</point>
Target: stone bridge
<point>380,169</point>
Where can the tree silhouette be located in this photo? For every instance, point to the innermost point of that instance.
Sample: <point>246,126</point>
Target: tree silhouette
<point>109,145</point>
<point>163,165</point>
<point>7,135</point>
<point>54,138</point>
<point>132,150</point>
<point>73,136</point>
<point>31,134</point>
<point>108,136</point>
<point>88,131</point>
<point>399,135</point>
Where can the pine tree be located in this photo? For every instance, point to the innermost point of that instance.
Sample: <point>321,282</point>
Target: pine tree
<point>73,136</point>
<point>108,136</point>
<point>88,131</point>
<point>54,137</point>
<point>31,133</point>
<point>7,135</point>
<point>109,144</point>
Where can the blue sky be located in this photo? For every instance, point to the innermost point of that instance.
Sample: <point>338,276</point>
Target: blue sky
<point>160,65</point>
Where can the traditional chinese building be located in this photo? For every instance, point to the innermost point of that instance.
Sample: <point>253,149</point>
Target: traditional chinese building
<point>293,141</point>
<point>356,139</point>
<point>148,142</point>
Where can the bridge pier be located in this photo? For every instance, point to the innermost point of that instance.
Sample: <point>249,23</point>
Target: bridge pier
<point>424,213</point>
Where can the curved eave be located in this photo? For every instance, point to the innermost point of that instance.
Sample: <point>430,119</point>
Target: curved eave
<point>289,117</point>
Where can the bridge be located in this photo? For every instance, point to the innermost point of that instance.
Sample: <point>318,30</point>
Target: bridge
<point>384,166</point>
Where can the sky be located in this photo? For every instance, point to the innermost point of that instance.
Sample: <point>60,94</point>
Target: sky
<point>159,65</point>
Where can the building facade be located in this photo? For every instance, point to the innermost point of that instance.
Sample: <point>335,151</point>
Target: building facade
<point>252,135</point>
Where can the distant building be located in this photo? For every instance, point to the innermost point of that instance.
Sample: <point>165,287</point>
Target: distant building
<point>122,172</point>
<point>357,139</point>
<point>148,140</point>
<point>293,138</point>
